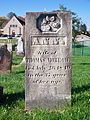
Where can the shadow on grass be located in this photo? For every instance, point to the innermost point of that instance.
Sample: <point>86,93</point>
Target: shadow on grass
<point>80,89</point>
<point>84,63</point>
<point>15,63</point>
<point>12,98</point>
<point>16,58</point>
<point>18,72</point>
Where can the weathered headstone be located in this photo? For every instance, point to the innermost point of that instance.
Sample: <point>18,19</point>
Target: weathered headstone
<point>20,47</point>
<point>9,47</point>
<point>48,59</point>
<point>5,60</point>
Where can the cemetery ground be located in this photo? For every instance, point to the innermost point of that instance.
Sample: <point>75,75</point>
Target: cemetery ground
<point>5,41</point>
<point>13,105</point>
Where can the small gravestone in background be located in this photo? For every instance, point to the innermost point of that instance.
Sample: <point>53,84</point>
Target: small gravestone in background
<point>23,61</point>
<point>5,60</point>
<point>48,59</point>
<point>9,46</point>
<point>20,47</point>
<point>2,44</point>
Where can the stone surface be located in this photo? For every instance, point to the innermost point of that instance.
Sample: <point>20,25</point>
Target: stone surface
<point>23,61</point>
<point>48,59</point>
<point>20,47</point>
<point>5,60</point>
<point>9,47</point>
<point>2,44</point>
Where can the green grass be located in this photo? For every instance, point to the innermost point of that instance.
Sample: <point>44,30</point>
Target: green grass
<point>16,60</point>
<point>5,41</point>
<point>13,106</point>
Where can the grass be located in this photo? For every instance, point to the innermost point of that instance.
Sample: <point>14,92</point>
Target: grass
<point>5,41</point>
<point>13,106</point>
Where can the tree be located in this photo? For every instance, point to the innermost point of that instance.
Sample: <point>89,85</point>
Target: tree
<point>76,22</point>
<point>62,8</point>
<point>3,21</point>
<point>89,31</point>
<point>83,27</point>
<point>11,14</point>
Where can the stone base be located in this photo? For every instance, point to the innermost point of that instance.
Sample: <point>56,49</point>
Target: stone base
<point>48,102</point>
<point>1,93</point>
<point>50,105</point>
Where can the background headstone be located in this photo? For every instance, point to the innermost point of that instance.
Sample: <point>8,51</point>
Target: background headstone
<point>20,47</point>
<point>48,59</point>
<point>9,47</point>
<point>23,62</point>
<point>2,44</point>
<point>5,60</point>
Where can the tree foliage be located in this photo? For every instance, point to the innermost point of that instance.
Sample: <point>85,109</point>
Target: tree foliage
<point>89,31</point>
<point>83,27</point>
<point>10,15</point>
<point>3,21</point>
<point>76,22</point>
<point>62,8</point>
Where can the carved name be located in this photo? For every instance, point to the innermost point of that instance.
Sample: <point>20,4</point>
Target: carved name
<point>37,59</point>
<point>40,40</point>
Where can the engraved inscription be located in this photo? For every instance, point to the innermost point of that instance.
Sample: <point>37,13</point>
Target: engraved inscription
<point>43,68</point>
<point>56,73</point>
<point>40,40</point>
<point>37,59</point>
<point>52,66</point>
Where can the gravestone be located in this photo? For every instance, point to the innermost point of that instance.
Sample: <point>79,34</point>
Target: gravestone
<point>48,59</point>
<point>9,47</point>
<point>20,47</point>
<point>2,44</point>
<point>23,61</point>
<point>5,60</point>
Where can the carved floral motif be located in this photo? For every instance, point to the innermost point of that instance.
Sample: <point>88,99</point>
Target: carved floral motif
<point>50,24</point>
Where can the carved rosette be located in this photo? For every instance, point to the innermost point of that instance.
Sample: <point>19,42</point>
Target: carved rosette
<point>49,23</point>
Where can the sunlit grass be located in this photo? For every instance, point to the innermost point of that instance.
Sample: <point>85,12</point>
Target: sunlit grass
<point>13,106</point>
